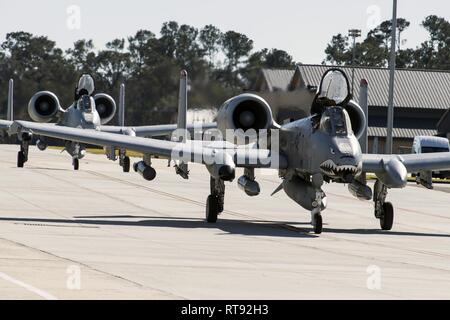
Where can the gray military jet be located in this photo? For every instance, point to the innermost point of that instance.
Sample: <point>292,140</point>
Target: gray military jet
<point>308,153</point>
<point>88,111</point>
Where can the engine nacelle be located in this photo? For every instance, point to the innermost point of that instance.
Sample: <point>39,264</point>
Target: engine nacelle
<point>244,115</point>
<point>44,106</point>
<point>303,193</point>
<point>357,118</point>
<point>106,107</point>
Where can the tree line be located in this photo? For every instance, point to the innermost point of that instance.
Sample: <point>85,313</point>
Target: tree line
<point>374,50</point>
<point>220,64</point>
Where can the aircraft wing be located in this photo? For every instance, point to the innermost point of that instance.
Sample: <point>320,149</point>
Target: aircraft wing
<point>155,131</point>
<point>192,151</point>
<point>413,162</point>
<point>5,125</point>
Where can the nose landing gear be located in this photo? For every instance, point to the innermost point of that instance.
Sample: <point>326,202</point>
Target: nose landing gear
<point>76,164</point>
<point>316,213</point>
<point>77,152</point>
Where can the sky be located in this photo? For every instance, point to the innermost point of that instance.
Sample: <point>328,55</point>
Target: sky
<point>302,28</point>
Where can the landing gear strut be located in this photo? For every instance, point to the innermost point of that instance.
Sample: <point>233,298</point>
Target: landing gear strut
<point>125,162</point>
<point>77,152</point>
<point>216,200</point>
<point>384,211</point>
<point>22,156</point>
<point>318,205</point>
<point>316,213</point>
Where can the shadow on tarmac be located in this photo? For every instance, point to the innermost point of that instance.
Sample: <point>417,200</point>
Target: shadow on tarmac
<point>248,228</point>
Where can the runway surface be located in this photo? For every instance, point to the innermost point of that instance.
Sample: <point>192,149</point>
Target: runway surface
<point>103,234</point>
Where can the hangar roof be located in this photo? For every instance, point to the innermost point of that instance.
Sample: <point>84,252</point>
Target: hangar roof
<point>400,133</point>
<point>414,88</point>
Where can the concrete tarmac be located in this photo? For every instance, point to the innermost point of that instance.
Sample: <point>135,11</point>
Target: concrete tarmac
<point>103,234</point>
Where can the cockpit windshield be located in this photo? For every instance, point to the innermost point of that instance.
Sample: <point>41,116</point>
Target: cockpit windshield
<point>336,122</point>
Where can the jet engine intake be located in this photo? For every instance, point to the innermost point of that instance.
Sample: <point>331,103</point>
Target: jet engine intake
<point>106,107</point>
<point>245,115</point>
<point>44,106</point>
<point>357,118</point>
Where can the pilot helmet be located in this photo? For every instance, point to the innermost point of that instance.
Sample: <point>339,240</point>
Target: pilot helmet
<point>86,85</point>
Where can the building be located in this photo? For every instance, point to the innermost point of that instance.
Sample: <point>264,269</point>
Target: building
<point>444,125</point>
<point>421,99</point>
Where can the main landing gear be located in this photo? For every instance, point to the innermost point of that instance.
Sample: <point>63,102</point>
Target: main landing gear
<point>216,200</point>
<point>124,161</point>
<point>22,156</point>
<point>384,211</point>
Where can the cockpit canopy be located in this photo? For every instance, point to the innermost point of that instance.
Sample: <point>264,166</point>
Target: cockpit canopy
<point>334,87</point>
<point>335,121</point>
<point>86,85</point>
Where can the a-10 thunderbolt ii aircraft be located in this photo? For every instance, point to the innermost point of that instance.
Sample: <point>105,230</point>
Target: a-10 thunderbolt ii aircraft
<point>88,111</point>
<point>322,148</point>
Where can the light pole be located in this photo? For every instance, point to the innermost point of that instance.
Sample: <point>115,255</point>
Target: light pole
<point>390,121</point>
<point>354,33</point>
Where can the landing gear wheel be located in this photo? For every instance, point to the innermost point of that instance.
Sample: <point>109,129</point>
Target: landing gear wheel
<point>387,218</point>
<point>126,165</point>
<point>20,159</point>
<point>212,209</point>
<point>76,164</point>
<point>318,224</point>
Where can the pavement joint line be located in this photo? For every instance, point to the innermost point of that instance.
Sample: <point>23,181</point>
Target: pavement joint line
<point>144,209</point>
<point>232,213</point>
<point>265,223</point>
<point>39,292</point>
<point>137,284</point>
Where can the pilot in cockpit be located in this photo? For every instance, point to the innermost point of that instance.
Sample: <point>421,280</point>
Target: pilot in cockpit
<point>334,91</point>
<point>83,94</point>
<point>336,122</point>
<point>86,86</point>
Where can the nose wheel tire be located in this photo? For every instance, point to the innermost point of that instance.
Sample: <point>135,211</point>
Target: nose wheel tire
<point>76,164</point>
<point>318,224</point>
<point>387,218</point>
<point>212,209</point>
<point>126,165</point>
<point>20,159</point>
